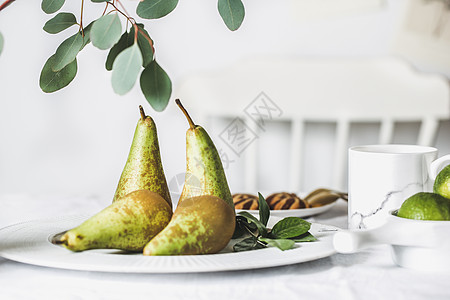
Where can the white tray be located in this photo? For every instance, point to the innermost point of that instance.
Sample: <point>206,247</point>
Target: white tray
<point>30,242</point>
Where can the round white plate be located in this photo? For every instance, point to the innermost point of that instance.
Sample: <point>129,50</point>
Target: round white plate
<point>301,213</point>
<point>30,242</point>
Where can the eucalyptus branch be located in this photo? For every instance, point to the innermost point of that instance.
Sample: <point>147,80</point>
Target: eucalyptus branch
<point>124,9</point>
<point>5,4</point>
<point>81,18</point>
<point>125,14</point>
<point>105,33</point>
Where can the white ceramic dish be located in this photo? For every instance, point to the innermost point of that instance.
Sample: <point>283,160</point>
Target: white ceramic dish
<point>416,244</point>
<point>29,242</point>
<point>301,213</point>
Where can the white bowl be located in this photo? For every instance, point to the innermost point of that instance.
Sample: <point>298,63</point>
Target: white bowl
<point>416,244</point>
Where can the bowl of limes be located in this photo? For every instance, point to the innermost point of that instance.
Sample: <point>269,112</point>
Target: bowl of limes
<point>418,232</point>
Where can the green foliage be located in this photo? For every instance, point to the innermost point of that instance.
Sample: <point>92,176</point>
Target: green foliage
<point>306,237</point>
<point>145,44</point>
<point>87,35</point>
<point>250,243</point>
<point>51,6</point>
<point>284,234</point>
<point>51,81</point>
<point>126,69</point>
<point>60,22</point>
<point>155,9</point>
<point>290,227</point>
<point>106,31</point>
<point>232,13</point>
<point>264,210</point>
<point>67,51</point>
<point>121,45</point>
<point>282,244</point>
<point>262,230</point>
<point>130,52</point>
<point>156,86</point>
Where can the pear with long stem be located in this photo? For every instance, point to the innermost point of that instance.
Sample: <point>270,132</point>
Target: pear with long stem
<point>143,169</point>
<point>204,170</point>
<point>204,219</point>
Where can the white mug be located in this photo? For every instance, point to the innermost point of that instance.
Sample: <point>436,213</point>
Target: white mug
<point>381,177</point>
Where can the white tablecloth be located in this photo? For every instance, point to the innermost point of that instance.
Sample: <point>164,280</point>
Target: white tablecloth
<point>369,274</point>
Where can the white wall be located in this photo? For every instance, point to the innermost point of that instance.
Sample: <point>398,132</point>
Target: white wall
<point>76,141</point>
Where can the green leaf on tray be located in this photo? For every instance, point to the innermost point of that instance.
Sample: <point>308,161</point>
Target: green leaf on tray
<point>243,227</point>
<point>51,6</point>
<point>247,244</point>
<point>290,227</point>
<point>106,31</point>
<point>51,81</point>
<point>239,229</point>
<point>284,234</point>
<point>156,86</point>
<point>121,45</point>
<point>282,244</point>
<point>155,9</point>
<point>126,69</point>
<point>60,22</point>
<point>251,219</point>
<point>264,210</point>
<point>306,237</point>
<point>232,13</point>
<point>67,51</point>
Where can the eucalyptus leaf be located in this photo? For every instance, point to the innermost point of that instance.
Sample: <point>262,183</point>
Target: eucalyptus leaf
<point>156,86</point>
<point>51,6</point>
<point>251,219</point>
<point>51,81</point>
<point>232,13</point>
<point>106,31</point>
<point>264,210</point>
<point>144,41</point>
<point>155,9</point>
<point>306,237</point>
<point>121,45</point>
<point>87,34</point>
<point>67,51</point>
<point>290,227</point>
<point>126,69</point>
<point>1,43</point>
<point>282,244</point>
<point>247,244</point>
<point>60,22</point>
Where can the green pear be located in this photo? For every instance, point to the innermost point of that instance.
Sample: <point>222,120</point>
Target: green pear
<point>203,165</point>
<point>143,169</point>
<point>127,224</point>
<point>199,225</point>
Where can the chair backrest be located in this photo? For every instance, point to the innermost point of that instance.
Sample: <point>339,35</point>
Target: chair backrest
<point>337,91</point>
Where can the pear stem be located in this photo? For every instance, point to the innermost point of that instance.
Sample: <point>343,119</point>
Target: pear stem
<point>142,112</point>
<point>191,123</point>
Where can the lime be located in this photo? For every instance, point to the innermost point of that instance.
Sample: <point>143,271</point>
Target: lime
<point>425,206</point>
<point>442,183</point>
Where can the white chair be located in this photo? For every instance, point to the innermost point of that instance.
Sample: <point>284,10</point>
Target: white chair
<point>341,91</point>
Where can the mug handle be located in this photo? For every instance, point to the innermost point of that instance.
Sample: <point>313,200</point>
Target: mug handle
<point>437,165</point>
